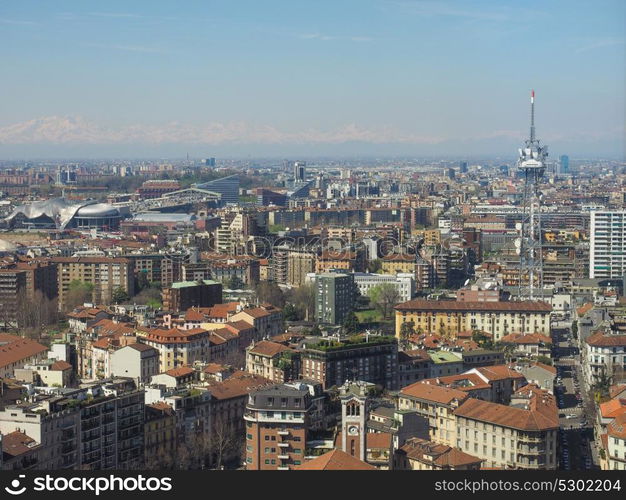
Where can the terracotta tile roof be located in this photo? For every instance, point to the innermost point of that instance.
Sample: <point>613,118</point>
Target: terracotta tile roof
<point>437,454</point>
<point>584,309</point>
<point>269,349</point>
<point>138,346</point>
<point>612,408</point>
<point>238,385</point>
<point>14,349</point>
<point>222,333</point>
<point>335,460</point>
<point>526,339</point>
<point>549,368</point>
<point>17,443</point>
<point>60,366</point>
<point>499,372</point>
<point>215,368</point>
<point>173,335</point>
<point>462,382</point>
<point>453,306</point>
<point>434,393</point>
<point>378,440</point>
<point>599,339</point>
<point>261,312</point>
<point>108,327</point>
<point>181,371</point>
<point>616,390</point>
<point>617,428</point>
<point>541,415</point>
<point>238,326</point>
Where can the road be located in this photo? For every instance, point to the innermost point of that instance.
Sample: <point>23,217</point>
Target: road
<point>577,449</point>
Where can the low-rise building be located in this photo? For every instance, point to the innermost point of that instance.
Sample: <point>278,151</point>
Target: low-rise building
<point>523,435</point>
<point>420,454</point>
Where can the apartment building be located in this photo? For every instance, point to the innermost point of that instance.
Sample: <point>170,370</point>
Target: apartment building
<point>522,435</point>
<point>17,352</point>
<point>104,273</point>
<point>371,359</point>
<point>437,404</point>
<point>616,443</point>
<point>335,294</point>
<point>277,421</point>
<point>274,361</point>
<point>266,319</point>
<point>607,248</point>
<point>449,318</point>
<point>604,353</point>
<point>184,295</point>
<point>177,347</point>
<point>96,427</point>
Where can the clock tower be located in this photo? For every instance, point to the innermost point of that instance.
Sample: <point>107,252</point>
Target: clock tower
<point>354,398</point>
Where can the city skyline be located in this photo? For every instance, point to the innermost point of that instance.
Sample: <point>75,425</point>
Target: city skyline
<point>384,79</point>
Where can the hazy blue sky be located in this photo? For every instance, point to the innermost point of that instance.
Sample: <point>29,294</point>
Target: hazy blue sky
<point>251,77</point>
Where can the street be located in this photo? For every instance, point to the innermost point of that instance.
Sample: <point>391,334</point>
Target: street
<point>577,448</point>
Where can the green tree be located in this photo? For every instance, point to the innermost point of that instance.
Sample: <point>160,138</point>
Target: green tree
<point>266,291</point>
<point>78,293</point>
<point>142,281</point>
<point>374,266</point>
<point>120,295</point>
<point>351,323</point>
<point>603,384</point>
<point>315,330</point>
<point>234,283</point>
<point>384,297</point>
<point>291,313</point>
<point>304,299</point>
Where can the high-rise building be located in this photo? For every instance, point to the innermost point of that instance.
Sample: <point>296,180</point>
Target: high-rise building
<point>564,160</point>
<point>277,419</point>
<point>463,167</point>
<point>607,249</point>
<point>227,187</point>
<point>334,298</point>
<point>299,170</point>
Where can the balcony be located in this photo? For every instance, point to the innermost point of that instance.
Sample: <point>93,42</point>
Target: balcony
<point>283,457</point>
<point>282,468</point>
<point>283,445</point>
<point>283,433</point>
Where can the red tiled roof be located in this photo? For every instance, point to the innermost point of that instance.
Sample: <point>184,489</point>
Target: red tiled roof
<point>435,393</point>
<point>181,371</point>
<point>599,339</point>
<point>335,460</point>
<point>61,366</point>
<point>17,443</point>
<point>269,349</point>
<point>14,348</point>
<point>542,415</point>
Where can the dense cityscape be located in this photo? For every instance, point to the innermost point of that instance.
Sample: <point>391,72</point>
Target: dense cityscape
<point>291,238</point>
<point>319,314</point>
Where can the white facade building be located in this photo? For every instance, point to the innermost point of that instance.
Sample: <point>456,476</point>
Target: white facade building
<point>607,250</point>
